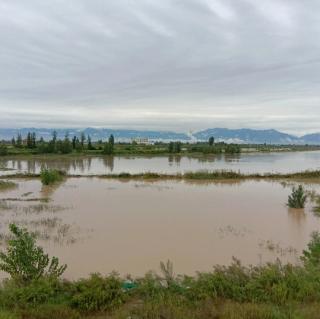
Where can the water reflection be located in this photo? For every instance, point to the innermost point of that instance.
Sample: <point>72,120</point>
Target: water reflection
<point>245,163</point>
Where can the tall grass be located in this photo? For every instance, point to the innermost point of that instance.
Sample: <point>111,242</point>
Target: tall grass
<point>298,197</point>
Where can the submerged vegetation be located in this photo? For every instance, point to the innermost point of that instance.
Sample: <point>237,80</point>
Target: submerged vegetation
<point>5,185</point>
<point>298,197</point>
<point>51,176</point>
<point>273,290</point>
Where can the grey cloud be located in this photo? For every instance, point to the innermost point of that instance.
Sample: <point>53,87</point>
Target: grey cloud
<point>166,64</point>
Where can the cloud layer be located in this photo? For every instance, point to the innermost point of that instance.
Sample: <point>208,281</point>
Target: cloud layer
<point>167,64</point>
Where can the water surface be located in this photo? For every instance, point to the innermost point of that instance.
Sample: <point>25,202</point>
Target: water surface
<point>103,225</point>
<point>246,163</point>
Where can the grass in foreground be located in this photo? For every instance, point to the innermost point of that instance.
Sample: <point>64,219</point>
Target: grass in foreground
<point>274,290</point>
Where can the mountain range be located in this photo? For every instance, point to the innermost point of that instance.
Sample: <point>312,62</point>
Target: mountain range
<point>243,135</point>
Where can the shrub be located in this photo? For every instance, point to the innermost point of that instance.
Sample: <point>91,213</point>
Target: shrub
<point>50,312</point>
<point>98,293</point>
<point>3,149</point>
<point>311,256</point>
<point>50,176</point>
<point>298,198</point>
<point>25,261</point>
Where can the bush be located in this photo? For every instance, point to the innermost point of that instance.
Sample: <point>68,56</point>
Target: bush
<point>3,149</point>
<point>97,293</point>
<point>311,256</point>
<point>51,176</point>
<point>50,312</point>
<point>298,198</point>
<point>24,261</point>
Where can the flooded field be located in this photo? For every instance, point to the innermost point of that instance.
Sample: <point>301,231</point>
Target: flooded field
<point>97,225</point>
<point>282,162</point>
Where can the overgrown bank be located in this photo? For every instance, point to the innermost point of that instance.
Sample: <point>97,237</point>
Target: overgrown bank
<point>274,290</point>
<point>196,175</point>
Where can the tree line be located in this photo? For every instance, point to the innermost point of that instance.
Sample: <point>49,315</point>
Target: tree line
<point>65,145</point>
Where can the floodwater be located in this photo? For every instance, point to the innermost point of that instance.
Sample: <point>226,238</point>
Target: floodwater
<point>99,225</point>
<point>282,162</point>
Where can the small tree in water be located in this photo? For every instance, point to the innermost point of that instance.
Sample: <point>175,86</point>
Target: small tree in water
<point>298,198</point>
<point>25,261</point>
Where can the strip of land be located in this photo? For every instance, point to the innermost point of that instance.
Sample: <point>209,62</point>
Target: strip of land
<point>205,175</point>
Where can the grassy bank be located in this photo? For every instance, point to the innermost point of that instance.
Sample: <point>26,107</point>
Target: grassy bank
<point>204,175</point>
<point>156,149</point>
<point>273,290</point>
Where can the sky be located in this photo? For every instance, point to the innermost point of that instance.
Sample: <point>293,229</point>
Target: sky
<point>160,64</point>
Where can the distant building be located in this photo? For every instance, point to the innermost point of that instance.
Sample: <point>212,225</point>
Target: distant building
<point>140,140</point>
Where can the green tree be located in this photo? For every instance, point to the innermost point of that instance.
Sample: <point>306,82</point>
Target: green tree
<point>108,149</point>
<point>74,141</point>
<point>19,140</point>
<point>13,142</point>
<point>90,147</point>
<point>33,140</point>
<point>82,139</point>
<point>211,140</point>
<point>111,139</point>
<point>29,140</point>
<point>24,261</point>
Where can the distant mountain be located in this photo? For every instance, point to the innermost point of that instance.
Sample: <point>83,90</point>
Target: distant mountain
<point>248,136</point>
<point>220,134</point>
<point>96,134</point>
<point>311,139</point>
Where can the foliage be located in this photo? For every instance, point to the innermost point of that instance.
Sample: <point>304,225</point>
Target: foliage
<point>298,198</point>
<point>98,293</point>
<point>311,256</point>
<point>50,176</point>
<point>174,147</point>
<point>108,149</point>
<point>211,140</point>
<point>3,149</point>
<point>24,261</point>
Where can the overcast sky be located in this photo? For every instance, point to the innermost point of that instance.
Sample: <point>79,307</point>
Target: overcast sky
<point>160,64</point>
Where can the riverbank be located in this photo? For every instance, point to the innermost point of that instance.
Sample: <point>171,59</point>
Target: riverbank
<point>202,175</point>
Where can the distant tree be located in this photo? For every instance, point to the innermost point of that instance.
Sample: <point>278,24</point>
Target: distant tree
<point>33,140</point>
<point>19,140</point>
<point>111,139</point>
<point>90,147</point>
<point>211,140</point>
<point>29,141</point>
<point>74,141</point>
<point>54,136</point>
<point>108,149</point>
<point>171,147</point>
<point>13,141</point>
<point>174,147</point>
<point>82,139</point>
<point>66,145</point>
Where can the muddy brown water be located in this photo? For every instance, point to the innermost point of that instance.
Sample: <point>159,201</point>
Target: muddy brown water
<point>97,225</point>
<point>282,162</point>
